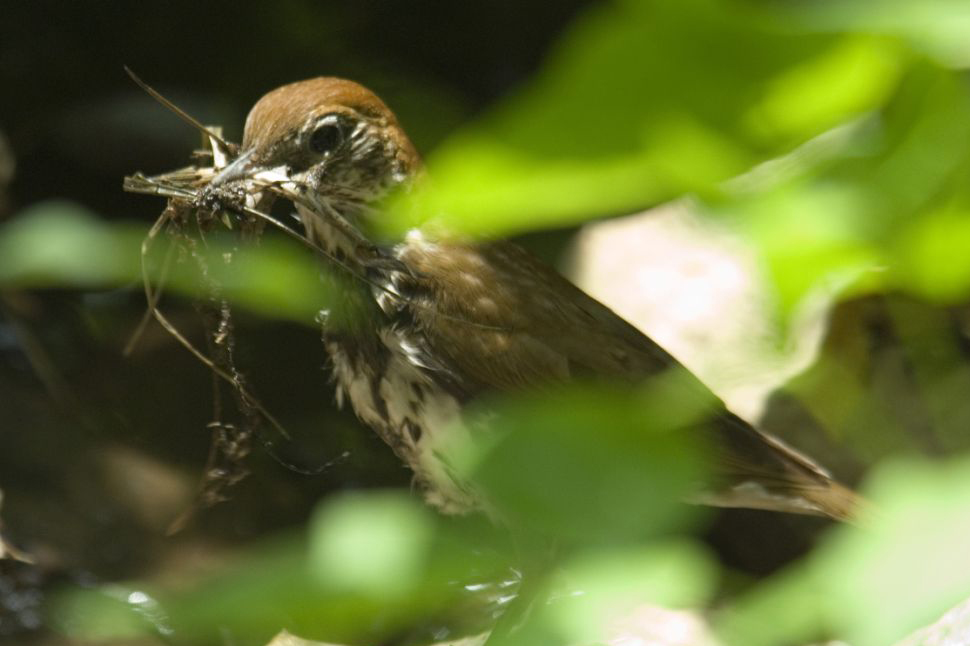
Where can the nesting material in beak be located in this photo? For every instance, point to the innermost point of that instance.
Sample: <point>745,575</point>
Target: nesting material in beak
<point>255,177</point>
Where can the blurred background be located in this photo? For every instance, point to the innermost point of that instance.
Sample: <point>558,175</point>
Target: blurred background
<point>776,191</point>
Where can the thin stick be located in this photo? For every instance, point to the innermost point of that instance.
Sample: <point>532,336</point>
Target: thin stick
<point>138,183</point>
<point>171,329</point>
<point>151,295</point>
<point>179,112</point>
<point>153,298</point>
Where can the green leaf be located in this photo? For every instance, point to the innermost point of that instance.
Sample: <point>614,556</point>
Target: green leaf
<point>903,567</point>
<point>932,256</point>
<point>940,28</point>
<point>611,585</point>
<point>910,562</point>
<point>643,101</point>
<point>376,545</point>
<point>589,464</point>
<point>856,74</point>
<point>63,244</point>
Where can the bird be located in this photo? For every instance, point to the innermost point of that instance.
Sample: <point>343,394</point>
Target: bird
<point>440,322</point>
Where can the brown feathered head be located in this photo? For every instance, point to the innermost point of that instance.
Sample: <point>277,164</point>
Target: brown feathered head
<point>333,139</point>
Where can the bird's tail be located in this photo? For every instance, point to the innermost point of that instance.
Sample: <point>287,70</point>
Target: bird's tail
<point>758,471</point>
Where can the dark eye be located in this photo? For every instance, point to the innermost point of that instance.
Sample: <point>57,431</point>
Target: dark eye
<point>326,138</point>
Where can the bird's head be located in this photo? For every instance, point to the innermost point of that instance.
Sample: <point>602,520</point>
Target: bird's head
<point>329,142</point>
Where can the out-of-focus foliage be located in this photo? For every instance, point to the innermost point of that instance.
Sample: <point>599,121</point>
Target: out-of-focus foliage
<point>376,564</point>
<point>592,591</point>
<point>320,586</point>
<point>373,566</point>
<point>900,569</point>
<point>937,28</point>
<point>857,106</point>
<point>62,245</point>
<point>642,101</point>
<point>568,464</point>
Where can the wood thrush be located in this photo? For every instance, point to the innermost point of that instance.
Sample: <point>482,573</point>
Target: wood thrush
<point>440,322</point>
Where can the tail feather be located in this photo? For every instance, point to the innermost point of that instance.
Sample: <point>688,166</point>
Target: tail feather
<point>758,471</point>
<point>834,500</point>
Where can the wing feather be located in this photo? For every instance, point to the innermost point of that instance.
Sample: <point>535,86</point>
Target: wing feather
<point>504,320</point>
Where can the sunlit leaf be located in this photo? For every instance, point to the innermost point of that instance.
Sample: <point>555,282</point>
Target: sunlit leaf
<point>372,566</point>
<point>854,75</point>
<point>371,545</point>
<point>910,562</point>
<point>939,27</point>
<point>113,612</point>
<point>933,258</point>
<point>630,110</point>
<point>275,278</point>
<point>609,586</point>
<point>590,464</point>
<point>810,234</point>
<point>61,244</point>
<point>903,567</point>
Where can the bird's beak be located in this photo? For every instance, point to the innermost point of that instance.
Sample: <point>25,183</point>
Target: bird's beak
<point>239,168</point>
<point>246,167</point>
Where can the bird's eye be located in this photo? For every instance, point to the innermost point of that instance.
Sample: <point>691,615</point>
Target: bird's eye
<point>326,138</point>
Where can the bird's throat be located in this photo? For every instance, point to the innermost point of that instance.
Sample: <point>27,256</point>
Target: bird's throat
<point>336,233</point>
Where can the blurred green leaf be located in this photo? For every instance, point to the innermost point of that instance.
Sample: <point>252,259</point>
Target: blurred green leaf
<point>856,74</point>
<point>810,234</point>
<point>61,244</point>
<point>932,257</point>
<point>372,566</point>
<point>251,602</point>
<point>855,209</point>
<point>275,278</point>
<point>609,585</point>
<point>642,101</point>
<point>588,464</point>
<point>870,585</point>
<point>374,545</point>
<point>938,27</point>
<point>112,612</point>
<point>910,562</point>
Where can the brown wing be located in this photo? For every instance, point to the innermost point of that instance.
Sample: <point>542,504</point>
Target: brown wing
<point>504,320</point>
<point>508,320</point>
